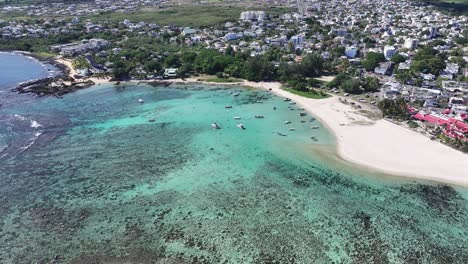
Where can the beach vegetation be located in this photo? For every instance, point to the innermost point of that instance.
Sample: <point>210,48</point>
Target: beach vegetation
<point>309,93</point>
<point>395,109</point>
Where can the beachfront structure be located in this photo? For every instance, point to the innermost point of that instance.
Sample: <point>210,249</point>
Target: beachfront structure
<point>171,72</point>
<point>454,128</point>
<point>73,49</point>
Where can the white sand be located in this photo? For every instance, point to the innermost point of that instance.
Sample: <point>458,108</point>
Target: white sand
<point>382,145</point>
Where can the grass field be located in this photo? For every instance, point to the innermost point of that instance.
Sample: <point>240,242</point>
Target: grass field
<point>308,94</point>
<point>452,6</point>
<point>195,16</point>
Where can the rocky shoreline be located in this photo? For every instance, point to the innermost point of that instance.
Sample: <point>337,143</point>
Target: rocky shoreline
<point>51,86</point>
<point>58,85</point>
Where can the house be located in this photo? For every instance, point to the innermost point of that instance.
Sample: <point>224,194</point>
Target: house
<point>187,31</point>
<point>351,52</point>
<point>384,68</point>
<point>171,72</point>
<point>389,52</point>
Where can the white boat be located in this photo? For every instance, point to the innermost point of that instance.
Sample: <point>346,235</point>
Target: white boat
<point>241,126</point>
<point>215,126</point>
<point>237,117</point>
<point>141,101</point>
<point>258,116</point>
<point>287,122</point>
<point>236,94</point>
<point>228,106</point>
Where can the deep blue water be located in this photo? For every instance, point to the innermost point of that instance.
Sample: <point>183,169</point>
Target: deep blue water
<point>16,68</point>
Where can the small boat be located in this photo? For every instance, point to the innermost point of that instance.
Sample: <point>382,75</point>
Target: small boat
<point>229,92</point>
<point>228,106</point>
<point>258,116</point>
<point>314,138</point>
<point>236,94</point>
<point>141,101</point>
<point>151,120</point>
<point>241,126</point>
<point>215,126</point>
<point>287,99</point>
<point>314,127</point>
<point>258,101</point>
<point>311,119</point>
<point>303,121</point>
<point>287,122</point>
<point>274,107</point>
<point>302,114</point>
<point>237,117</point>
<point>280,134</point>
<point>292,129</point>
<point>292,103</point>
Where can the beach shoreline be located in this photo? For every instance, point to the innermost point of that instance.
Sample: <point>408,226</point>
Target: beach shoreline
<point>377,145</point>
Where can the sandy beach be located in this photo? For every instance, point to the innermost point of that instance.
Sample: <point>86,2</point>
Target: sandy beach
<point>378,145</point>
<point>382,145</point>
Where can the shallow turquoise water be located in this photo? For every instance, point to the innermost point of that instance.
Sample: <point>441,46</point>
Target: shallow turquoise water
<point>105,179</point>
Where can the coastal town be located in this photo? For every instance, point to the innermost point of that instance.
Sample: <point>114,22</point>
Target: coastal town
<point>376,53</point>
<point>233,131</point>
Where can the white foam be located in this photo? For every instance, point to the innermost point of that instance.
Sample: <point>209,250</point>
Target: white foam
<point>35,124</point>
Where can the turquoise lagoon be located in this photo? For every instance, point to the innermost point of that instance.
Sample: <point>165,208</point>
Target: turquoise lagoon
<point>97,177</point>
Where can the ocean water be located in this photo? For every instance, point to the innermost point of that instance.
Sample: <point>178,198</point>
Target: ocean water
<point>16,68</point>
<point>97,177</point>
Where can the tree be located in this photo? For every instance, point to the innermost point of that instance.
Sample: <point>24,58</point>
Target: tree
<point>351,86</point>
<point>394,108</point>
<point>312,65</point>
<point>338,80</point>
<point>398,58</point>
<point>371,84</point>
<point>258,69</point>
<point>373,59</point>
<point>172,61</point>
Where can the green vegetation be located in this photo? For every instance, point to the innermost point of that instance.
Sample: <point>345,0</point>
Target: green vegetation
<point>394,108</point>
<point>427,60</point>
<point>311,93</point>
<point>80,63</point>
<point>354,85</point>
<point>454,143</point>
<point>451,6</point>
<point>412,124</point>
<point>194,16</point>
<point>373,59</point>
